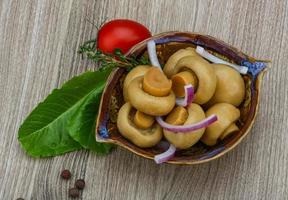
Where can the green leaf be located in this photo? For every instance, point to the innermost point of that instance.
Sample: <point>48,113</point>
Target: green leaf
<point>82,124</point>
<point>44,132</point>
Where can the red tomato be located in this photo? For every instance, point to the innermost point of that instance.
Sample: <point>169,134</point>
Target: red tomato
<point>122,34</point>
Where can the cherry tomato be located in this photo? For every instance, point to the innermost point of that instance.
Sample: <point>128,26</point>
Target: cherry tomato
<point>122,34</point>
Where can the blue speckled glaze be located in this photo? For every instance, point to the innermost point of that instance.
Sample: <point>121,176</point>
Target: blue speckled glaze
<point>103,132</point>
<point>254,68</point>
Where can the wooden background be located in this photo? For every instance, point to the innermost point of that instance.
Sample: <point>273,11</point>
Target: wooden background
<point>38,45</point>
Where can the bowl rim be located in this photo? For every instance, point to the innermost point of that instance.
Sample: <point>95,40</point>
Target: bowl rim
<point>258,81</point>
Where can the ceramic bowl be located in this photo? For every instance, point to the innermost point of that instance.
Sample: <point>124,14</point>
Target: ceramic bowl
<point>167,44</point>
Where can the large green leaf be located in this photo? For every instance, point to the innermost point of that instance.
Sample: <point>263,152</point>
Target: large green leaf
<point>44,132</point>
<point>82,125</point>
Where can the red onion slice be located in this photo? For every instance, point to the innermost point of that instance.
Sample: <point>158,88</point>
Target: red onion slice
<point>189,95</point>
<point>201,51</point>
<point>165,156</point>
<point>151,46</point>
<point>189,127</point>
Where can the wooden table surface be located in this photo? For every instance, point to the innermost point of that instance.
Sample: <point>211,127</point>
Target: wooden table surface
<point>38,45</point>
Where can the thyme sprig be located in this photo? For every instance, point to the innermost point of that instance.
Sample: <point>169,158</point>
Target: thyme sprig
<point>118,59</point>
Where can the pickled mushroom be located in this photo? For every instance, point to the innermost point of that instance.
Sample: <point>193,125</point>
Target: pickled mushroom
<point>227,114</point>
<point>186,140</point>
<point>230,87</point>
<point>140,70</point>
<point>205,75</point>
<point>141,137</point>
<point>147,103</point>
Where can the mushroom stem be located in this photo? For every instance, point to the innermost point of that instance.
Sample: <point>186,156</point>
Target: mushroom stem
<point>181,79</point>
<point>177,116</point>
<point>228,131</point>
<point>156,83</point>
<point>142,120</point>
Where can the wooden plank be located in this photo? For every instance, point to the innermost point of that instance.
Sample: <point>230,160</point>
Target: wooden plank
<point>38,52</point>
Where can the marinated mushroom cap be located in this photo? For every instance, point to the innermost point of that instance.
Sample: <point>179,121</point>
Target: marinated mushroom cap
<point>227,114</point>
<point>174,58</point>
<point>230,86</point>
<point>205,74</point>
<point>149,104</point>
<point>186,140</point>
<point>140,70</point>
<point>141,137</point>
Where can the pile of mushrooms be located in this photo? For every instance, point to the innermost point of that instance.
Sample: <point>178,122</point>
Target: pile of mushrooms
<point>190,100</point>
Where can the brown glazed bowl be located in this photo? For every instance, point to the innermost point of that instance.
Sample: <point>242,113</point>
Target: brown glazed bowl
<point>167,44</point>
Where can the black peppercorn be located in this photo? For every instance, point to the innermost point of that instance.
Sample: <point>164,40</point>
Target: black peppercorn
<point>80,184</point>
<point>74,192</point>
<point>66,174</point>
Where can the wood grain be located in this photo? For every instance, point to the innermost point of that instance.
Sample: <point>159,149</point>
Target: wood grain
<point>38,45</point>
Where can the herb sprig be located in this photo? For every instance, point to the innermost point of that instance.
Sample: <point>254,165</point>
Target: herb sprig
<point>118,59</point>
